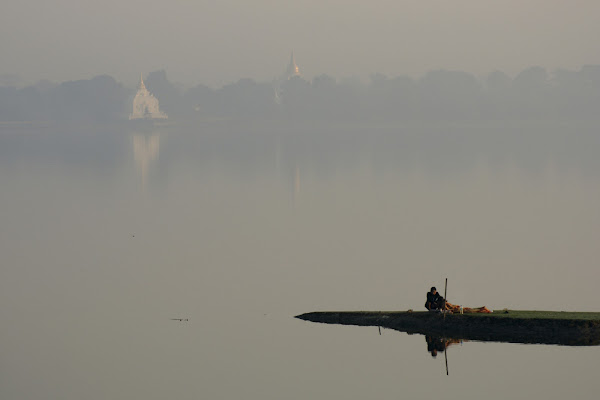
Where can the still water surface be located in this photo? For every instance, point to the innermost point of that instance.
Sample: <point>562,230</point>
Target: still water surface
<point>108,233</point>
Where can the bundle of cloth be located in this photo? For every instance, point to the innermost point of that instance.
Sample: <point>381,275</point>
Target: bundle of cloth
<point>467,310</point>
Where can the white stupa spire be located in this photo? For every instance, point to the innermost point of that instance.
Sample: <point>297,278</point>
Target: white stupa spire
<point>142,86</point>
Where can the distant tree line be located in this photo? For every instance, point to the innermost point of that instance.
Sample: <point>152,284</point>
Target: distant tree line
<point>438,95</point>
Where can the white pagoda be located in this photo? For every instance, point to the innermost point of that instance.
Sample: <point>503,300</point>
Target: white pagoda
<point>145,105</point>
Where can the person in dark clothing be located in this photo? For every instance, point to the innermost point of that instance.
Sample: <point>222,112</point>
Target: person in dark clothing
<point>434,300</point>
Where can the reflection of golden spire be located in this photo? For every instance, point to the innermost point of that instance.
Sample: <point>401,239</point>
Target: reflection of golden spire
<point>296,186</point>
<point>297,182</point>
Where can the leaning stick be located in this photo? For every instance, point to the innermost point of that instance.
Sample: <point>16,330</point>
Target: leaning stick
<point>445,297</point>
<point>446,343</point>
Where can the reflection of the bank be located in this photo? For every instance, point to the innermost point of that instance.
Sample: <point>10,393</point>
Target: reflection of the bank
<point>145,151</point>
<point>483,328</point>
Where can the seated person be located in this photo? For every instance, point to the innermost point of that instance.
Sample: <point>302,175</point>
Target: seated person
<point>435,301</point>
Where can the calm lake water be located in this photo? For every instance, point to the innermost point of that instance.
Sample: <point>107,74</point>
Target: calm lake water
<point>106,234</point>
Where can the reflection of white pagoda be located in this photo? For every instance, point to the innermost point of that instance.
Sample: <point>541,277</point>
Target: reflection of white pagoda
<point>145,151</point>
<point>145,105</point>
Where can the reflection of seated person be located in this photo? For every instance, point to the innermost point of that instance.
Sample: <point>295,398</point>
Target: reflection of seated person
<point>435,345</point>
<point>435,301</point>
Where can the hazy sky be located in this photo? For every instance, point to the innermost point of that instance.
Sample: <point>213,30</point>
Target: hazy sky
<point>216,42</point>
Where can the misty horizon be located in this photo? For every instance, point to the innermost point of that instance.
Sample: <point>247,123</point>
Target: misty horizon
<point>16,80</point>
<point>437,95</point>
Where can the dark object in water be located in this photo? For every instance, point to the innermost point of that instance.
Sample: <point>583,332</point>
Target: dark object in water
<point>568,329</point>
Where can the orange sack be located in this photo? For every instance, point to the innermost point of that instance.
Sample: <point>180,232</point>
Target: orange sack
<point>456,309</point>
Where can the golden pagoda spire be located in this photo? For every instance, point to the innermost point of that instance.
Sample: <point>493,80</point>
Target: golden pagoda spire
<point>292,69</point>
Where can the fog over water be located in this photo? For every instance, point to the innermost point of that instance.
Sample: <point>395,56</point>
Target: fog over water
<point>401,143</point>
<point>108,233</point>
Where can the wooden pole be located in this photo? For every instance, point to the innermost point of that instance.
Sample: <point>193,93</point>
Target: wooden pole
<point>445,297</point>
<point>446,291</point>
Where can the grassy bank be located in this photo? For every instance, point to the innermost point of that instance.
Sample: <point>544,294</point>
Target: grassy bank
<point>587,316</point>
